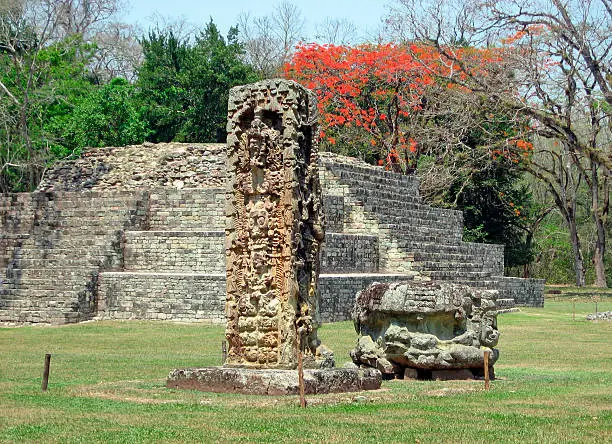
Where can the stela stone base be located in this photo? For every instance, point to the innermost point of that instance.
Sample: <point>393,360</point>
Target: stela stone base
<point>273,382</point>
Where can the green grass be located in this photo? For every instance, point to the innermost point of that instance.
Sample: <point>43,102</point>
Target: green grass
<point>107,385</point>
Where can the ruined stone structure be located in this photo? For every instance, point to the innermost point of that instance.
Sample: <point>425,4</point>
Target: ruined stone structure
<point>274,225</point>
<point>137,233</point>
<point>274,229</point>
<point>425,330</point>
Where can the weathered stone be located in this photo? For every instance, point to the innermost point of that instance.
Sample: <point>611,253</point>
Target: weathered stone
<point>452,374</point>
<point>601,316</point>
<point>143,249</point>
<point>411,373</point>
<point>274,381</point>
<point>427,326</point>
<point>274,225</point>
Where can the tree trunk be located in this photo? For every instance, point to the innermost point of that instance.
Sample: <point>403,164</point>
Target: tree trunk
<point>600,213</point>
<point>578,259</point>
<point>598,258</point>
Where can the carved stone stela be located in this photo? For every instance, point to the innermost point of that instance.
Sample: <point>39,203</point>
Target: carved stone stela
<point>273,234</point>
<point>274,225</point>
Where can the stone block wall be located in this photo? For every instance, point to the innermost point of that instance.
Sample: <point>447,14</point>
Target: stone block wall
<point>187,209</point>
<point>525,292</point>
<point>51,276</point>
<point>197,297</point>
<point>117,251</point>
<point>16,221</point>
<point>162,296</point>
<point>349,253</point>
<point>174,251</point>
<point>338,292</point>
<point>334,213</point>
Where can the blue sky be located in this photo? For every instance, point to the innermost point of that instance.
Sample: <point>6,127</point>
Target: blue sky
<point>366,15</point>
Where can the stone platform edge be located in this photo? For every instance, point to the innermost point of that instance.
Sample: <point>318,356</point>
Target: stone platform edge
<point>274,382</point>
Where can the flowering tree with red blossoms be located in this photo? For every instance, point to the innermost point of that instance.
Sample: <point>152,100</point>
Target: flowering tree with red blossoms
<point>404,106</point>
<point>367,90</point>
<point>370,95</point>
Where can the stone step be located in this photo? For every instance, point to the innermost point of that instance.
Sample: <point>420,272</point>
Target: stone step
<point>19,294</point>
<point>68,285</point>
<point>42,316</point>
<point>57,262</point>
<point>374,175</point>
<point>436,256</point>
<point>168,251</point>
<point>198,296</point>
<point>504,303</point>
<point>447,265</point>
<point>187,209</point>
<point>204,252</point>
<point>407,231</point>
<point>411,242</point>
<point>399,215</point>
<point>460,248</point>
<point>446,275</point>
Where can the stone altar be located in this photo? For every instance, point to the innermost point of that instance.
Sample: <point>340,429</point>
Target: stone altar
<point>274,229</point>
<point>426,330</point>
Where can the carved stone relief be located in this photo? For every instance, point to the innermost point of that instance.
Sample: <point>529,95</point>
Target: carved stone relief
<point>425,326</point>
<point>274,225</point>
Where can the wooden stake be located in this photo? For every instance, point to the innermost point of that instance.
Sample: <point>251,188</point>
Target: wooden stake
<point>486,369</point>
<point>45,380</point>
<point>223,352</point>
<point>301,372</point>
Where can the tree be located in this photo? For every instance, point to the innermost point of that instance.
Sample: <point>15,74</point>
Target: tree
<point>184,86</point>
<point>109,116</point>
<point>366,90</point>
<point>118,53</point>
<point>269,40</point>
<point>386,104</point>
<point>40,78</point>
<point>46,51</point>
<point>558,55</point>
<point>335,31</point>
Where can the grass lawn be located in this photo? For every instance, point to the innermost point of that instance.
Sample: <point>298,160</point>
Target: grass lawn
<point>107,385</point>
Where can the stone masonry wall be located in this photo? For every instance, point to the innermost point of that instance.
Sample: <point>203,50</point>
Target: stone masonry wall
<point>187,209</point>
<point>525,292</point>
<point>196,297</point>
<point>51,276</point>
<point>174,251</point>
<point>146,243</point>
<point>16,220</point>
<point>160,296</point>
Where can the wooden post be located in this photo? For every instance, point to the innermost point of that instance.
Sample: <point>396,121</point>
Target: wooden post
<point>300,370</point>
<point>486,369</point>
<point>223,352</point>
<point>45,380</point>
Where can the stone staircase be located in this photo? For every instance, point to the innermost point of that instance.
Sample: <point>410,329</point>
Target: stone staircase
<point>52,273</point>
<point>427,238</point>
<point>125,253</point>
<point>175,269</point>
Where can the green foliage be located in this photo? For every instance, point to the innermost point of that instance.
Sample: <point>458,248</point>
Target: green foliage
<point>46,83</point>
<point>493,207</point>
<point>109,116</point>
<point>184,86</point>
